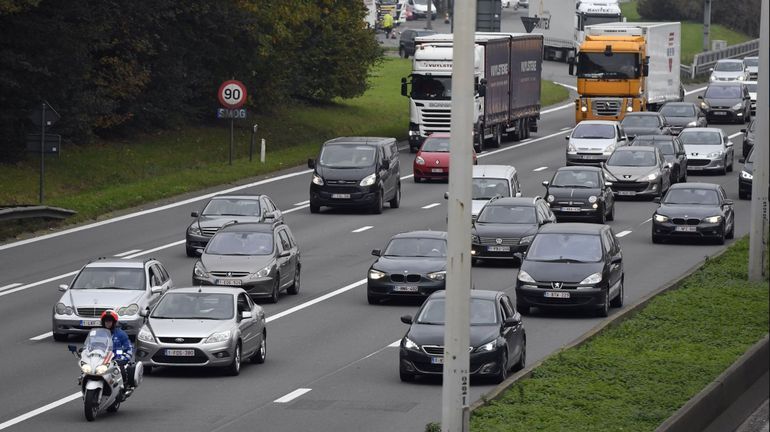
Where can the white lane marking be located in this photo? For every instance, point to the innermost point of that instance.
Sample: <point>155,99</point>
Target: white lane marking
<point>302,203</point>
<point>573,88</point>
<point>566,128</point>
<point>122,254</point>
<point>525,140</point>
<point>522,144</point>
<point>362,229</point>
<point>623,233</point>
<point>293,395</point>
<point>41,337</point>
<point>309,303</point>
<point>558,108</point>
<point>735,134</point>
<point>540,169</point>
<point>149,251</point>
<point>699,89</point>
<point>9,286</point>
<point>648,220</point>
<point>33,413</point>
<point>431,205</point>
<point>34,284</point>
<point>395,344</point>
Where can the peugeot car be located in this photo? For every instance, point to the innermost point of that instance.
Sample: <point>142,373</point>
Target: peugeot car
<point>637,171</point>
<point>580,192</point>
<point>672,150</point>
<point>708,149</point>
<point>680,115</point>
<point>694,211</point>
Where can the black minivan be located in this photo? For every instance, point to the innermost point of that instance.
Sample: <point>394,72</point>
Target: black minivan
<point>360,172</point>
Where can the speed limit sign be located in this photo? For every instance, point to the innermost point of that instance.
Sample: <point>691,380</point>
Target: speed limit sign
<point>232,94</point>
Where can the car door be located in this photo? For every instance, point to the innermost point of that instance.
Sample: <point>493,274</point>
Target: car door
<point>613,259</point>
<point>514,335</point>
<point>391,152</point>
<point>607,195</point>
<point>727,208</point>
<point>681,157</point>
<point>291,262</point>
<point>247,326</point>
<point>283,258</point>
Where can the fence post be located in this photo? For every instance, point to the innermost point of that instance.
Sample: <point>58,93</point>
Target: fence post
<point>262,152</point>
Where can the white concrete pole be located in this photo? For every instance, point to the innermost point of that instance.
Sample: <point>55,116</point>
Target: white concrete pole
<point>262,151</point>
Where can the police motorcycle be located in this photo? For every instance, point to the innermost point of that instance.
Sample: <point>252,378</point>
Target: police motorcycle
<point>101,380</point>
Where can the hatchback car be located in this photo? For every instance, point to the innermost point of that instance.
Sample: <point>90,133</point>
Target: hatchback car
<point>406,42</point>
<point>223,209</point>
<point>694,211</point>
<point>580,192</point>
<point>752,67</point>
<point>572,265</point>
<point>413,264</point>
<point>645,123</point>
<point>263,259</point>
<point>680,115</point>
<point>708,149</point>
<point>726,102</point>
<point>748,138</point>
<point>498,342</point>
<point>506,226</point>
<point>432,160</point>
<point>491,181</point>
<point>672,150</point>
<point>729,70</point>
<point>638,171</point>
<point>203,326</point>
<point>126,286</point>
<point>593,141</point>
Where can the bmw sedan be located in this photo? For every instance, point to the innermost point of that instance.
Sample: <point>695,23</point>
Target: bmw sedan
<point>572,265</point>
<point>694,211</point>
<point>204,326</point>
<point>413,264</point>
<point>580,193</point>
<point>263,259</point>
<point>498,342</point>
<point>708,149</point>
<point>637,171</point>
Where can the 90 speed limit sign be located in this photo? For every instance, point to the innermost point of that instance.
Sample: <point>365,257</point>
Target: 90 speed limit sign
<point>232,94</point>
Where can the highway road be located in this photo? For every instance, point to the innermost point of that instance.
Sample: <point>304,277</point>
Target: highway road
<point>332,360</point>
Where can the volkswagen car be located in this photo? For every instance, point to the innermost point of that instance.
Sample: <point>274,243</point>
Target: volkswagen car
<point>708,149</point>
<point>432,160</point>
<point>694,211</point>
<point>580,192</point>
<point>637,171</point>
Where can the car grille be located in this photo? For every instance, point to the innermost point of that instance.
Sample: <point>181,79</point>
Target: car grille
<point>629,186</point>
<point>343,186</point>
<point>606,107</point>
<point>405,278</point>
<point>753,76</point>
<point>180,340</point>
<point>683,221</point>
<point>435,120</point>
<point>209,231</point>
<point>91,312</point>
<point>199,357</point>
<point>698,162</point>
<point>492,241</point>
<point>234,274</point>
<point>570,203</point>
<point>437,350</point>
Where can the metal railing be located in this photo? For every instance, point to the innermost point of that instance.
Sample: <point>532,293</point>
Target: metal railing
<point>703,62</point>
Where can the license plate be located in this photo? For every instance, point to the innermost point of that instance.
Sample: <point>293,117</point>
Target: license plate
<point>437,360</point>
<point>719,113</point>
<point>90,323</point>
<point>499,248</point>
<point>556,294</point>
<point>341,196</point>
<point>626,193</point>
<point>180,353</point>
<point>229,282</point>
<point>686,229</point>
<point>571,209</point>
<point>436,170</point>
<point>405,288</point>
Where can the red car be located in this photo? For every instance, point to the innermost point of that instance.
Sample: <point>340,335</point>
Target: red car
<point>432,160</point>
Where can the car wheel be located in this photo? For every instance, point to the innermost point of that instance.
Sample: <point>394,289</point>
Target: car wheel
<point>604,310</point>
<point>373,299</point>
<point>732,164</point>
<point>522,363</point>
<point>657,239</point>
<point>405,376</point>
<point>235,367</point>
<point>601,218</point>
<point>417,179</point>
<point>377,209</point>
<point>722,236</point>
<point>260,356</point>
<point>502,373</point>
<point>190,252</point>
<point>60,337</point>
<point>617,302</point>
<point>294,288</point>
<point>611,215</point>
<point>396,201</point>
<point>314,208</point>
<point>276,288</point>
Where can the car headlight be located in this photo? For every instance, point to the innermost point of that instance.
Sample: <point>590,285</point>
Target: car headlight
<point>704,105</point>
<point>629,108</point>
<point>551,198</point>
<point>131,309</point>
<point>692,124</point>
<point>526,239</point>
<point>489,346</point>
<point>218,337</point>
<point>194,229</point>
<point>713,219</point>
<point>200,271</point>
<point>368,180</point>
<point>741,78</point>
<point>85,367</point>
<point>737,106</point>
<point>584,108</point>
<point>652,176</point>
<point>609,149</point>
<point>145,335</point>
<point>376,274</point>
<point>609,177</point>
<point>265,272</point>
<point>409,344</point>
<point>525,277</point>
<point>592,199</point>
<point>318,180</point>
<point>62,309</point>
<point>419,160</point>
<point>660,218</point>
<point>747,175</point>
<point>715,154</point>
<point>592,279</point>
<point>712,78</point>
<point>571,148</point>
<point>101,369</point>
<point>437,276</point>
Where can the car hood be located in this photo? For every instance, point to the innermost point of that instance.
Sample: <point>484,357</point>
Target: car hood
<point>435,159</point>
<point>592,144</point>
<point>680,121</point>
<point>642,130</point>
<point>349,174</point>
<point>113,298</point>
<point>728,102</point>
<point>630,173</point>
<point>410,264</point>
<point>504,230</point>
<point>687,210</point>
<point>208,221</point>
<point>562,193</point>
<point>250,263</point>
<point>426,334</point>
<point>192,328</point>
<point>559,271</point>
<point>701,150</point>
<point>727,74</point>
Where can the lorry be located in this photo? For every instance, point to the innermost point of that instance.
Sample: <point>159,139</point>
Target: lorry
<point>506,80</point>
<point>562,23</point>
<point>625,67</point>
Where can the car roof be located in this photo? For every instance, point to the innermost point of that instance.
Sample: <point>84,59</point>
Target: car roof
<point>475,294</point>
<point>372,141</point>
<point>248,227</point>
<point>660,138</point>
<point>636,148</point>
<point>606,122</point>
<point>701,129</point>
<point>120,263</point>
<point>422,234</point>
<point>579,168</point>
<point>207,290</point>
<point>694,185</point>
<point>642,113</point>
<point>730,61</point>
<point>572,228</point>
<point>238,196</point>
<point>494,171</point>
<point>518,201</point>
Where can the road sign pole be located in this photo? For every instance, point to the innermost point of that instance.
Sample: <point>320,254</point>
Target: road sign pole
<point>253,142</point>
<point>455,399</point>
<point>758,230</point>
<point>429,26</point>
<point>232,139</point>
<point>42,149</point>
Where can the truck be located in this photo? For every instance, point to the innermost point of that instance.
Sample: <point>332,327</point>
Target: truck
<point>506,81</point>
<point>562,23</point>
<point>625,67</point>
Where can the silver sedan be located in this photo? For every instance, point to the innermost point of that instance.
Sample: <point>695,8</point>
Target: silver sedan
<point>203,326</point>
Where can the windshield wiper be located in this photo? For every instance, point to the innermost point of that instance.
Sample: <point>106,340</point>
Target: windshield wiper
<point>561,259</point>
<point>576,186</point>
<point>592,137</point>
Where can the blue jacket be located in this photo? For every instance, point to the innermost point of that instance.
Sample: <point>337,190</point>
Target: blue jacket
<point>121,342</point>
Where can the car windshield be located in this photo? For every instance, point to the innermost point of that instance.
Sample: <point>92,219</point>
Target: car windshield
<point>678,111</point>
<point>431,87</point>
<point>565,248</point>
<point>631,158</point>
<point>482,312</point>
<point>232,207</point>
<point>666,147</point>
<point>692,196</point>
<point>752,87</point>
<point>692,137</point>
<point>416,247</point>
<point>576,179</point>
<point>751,61</point>
<point>211,306</point>
<point>615,66</point>
<point>110,278</point>
<point>596,131</point>
<point>640,121</point>
<point>241,243</point>
<point>508,214</point>
<point>723,92</point>
<point>732,66</point>
<point>485,188</point>
<point>436,145</point>
<point>347,156</point>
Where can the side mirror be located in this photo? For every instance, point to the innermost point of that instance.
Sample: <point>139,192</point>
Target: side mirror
<point>194,214</point>
<point>741,160</point>
<point>311,163</point>
<point>144,312</point>
<point>404,87</point>
<point>566,137</point>
<point>700,97</point>
<point>246,315</point>
<point>728,202</point>
<point>284,254</point>
<point>63,287</point>
<point>512,321</point>
<point>518,194</point>
<point>656,200</point>
<point>546,183</point>
<point>199,251</point>
<point>743,130</point>
<point>406,319</point>
<point>156,289</point>
<point>446,195</point>
<point>711,69</point>
<point>376,252</point>
<point>72,348</point>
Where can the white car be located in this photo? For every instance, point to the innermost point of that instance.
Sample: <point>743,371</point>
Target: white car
<point>751,86</point>
<point>593,141</point>
<point>729,70</point>
<point>752,66</point>
<point>490,181</point>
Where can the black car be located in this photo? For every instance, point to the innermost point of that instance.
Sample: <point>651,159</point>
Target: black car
<point>413,264</point>
<point>680,115</point>
<point>362,172</point>
<point>580,192</point>
<point>223,209</point>
<point>571,265</point>
<point>261,258</point>
<point>644,123</point>
<point>406,43</point>
<point>637,171</point>
<point>498,342</point>
<point>748,137</point>
<point>726,102</point>
<point>694,211</point>
<point>746,177</point>
<point>672,150</point>
<point>506,226</point>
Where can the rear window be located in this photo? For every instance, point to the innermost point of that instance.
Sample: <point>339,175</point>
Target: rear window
<point>678,110</point>
<point>693,137</point>
<point>508,214</point>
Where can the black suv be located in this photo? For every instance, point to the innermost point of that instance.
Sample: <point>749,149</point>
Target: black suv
<point>361,172</point>
<point>406,43</point>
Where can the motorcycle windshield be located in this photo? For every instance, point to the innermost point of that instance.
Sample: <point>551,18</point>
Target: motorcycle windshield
<point>99,341</point>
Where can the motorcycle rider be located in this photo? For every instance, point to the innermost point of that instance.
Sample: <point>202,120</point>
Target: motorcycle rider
<point>121,344</point>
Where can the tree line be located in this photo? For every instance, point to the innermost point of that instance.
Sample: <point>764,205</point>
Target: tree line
<point>114,67</point>
<point>741,15</point>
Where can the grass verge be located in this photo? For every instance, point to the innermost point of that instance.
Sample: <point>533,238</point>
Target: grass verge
<point>637,374</point>
<point>106,176</point>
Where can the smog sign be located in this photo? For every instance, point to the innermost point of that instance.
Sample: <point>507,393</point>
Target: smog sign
<point>232,94</point>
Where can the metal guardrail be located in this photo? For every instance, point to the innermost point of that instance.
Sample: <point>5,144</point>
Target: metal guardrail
<point>704,61</point>
<point>34,211</point>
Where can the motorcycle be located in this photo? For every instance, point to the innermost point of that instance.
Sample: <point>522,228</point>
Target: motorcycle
<point>101,380</point>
